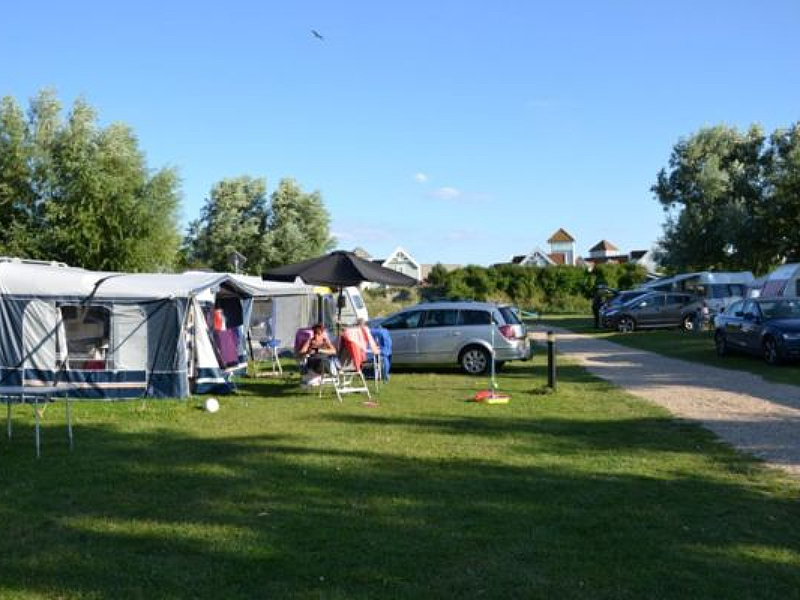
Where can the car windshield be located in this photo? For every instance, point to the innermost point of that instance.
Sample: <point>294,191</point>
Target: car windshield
<point>778,309</point>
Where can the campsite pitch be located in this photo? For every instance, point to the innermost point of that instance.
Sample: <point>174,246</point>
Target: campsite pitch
<point>582,493</point>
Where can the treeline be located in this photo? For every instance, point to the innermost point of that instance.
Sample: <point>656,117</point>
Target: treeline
<point>74,191</point>
<point>544,289</point>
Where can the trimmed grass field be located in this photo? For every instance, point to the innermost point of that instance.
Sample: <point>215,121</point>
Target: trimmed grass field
<point>675,343</point>
<point>582,493</point>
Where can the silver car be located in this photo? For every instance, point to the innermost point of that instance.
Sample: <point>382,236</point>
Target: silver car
<point>461,333</point>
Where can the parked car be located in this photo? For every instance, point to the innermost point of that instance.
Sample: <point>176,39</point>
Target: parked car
<point>613,304</point>
<point>656,310</point>
<point>769,327</point>
<point>718,289</point>
<point>461,333</point>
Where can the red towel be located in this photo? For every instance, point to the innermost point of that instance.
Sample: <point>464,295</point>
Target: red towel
<point>353,348</point>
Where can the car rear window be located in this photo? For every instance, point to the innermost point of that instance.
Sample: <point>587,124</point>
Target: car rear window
<point>510,316</point>
<point>473,317</point>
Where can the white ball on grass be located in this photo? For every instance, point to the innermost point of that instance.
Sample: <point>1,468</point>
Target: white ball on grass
<point>211,405</point>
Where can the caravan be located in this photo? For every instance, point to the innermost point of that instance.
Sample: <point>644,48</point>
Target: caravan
<point>119,335</point>
<point>718,290</point>
<point>783,281</point>
<point>329,303</point>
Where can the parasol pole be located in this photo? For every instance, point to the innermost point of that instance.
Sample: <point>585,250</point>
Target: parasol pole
<point>339,306</point>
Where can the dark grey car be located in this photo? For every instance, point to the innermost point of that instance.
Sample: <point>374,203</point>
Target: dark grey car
<point>656,310</point>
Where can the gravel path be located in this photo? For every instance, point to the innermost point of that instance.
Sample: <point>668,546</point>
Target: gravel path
<point>754,415</point>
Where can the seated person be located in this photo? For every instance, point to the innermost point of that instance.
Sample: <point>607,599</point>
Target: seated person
<point>315,350</point>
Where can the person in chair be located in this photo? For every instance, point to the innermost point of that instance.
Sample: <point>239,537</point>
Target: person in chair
<point>315,351</point>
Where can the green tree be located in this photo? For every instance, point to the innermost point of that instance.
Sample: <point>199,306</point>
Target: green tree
<point>17,199</point>
<point>232,219</point>
<point>291,227</point>
<point>716,203</point>
<point>75,192</point>
<point>437,276</point>
<point>783,185</point>
<point>298,226</point>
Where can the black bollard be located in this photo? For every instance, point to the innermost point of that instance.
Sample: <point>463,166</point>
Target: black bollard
<point>551,360</point>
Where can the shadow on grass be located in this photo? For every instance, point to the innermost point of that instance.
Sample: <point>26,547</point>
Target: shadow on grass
<point>160,514</point>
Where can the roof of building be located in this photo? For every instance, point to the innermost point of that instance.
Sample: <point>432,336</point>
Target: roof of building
<point>637,254</point>
<point>617,259</point>
<point>558,258</point>
<point>603,245</point>
<point>560,236</point>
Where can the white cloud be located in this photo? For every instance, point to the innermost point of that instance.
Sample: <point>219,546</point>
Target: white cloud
<point>421,178</point>
<point>447,193</point>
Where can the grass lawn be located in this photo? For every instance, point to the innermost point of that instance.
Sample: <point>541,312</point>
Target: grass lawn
<point>693,347</point>
<point>583,493</point>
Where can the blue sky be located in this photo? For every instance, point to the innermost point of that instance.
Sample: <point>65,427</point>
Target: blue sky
<point>464,131</point>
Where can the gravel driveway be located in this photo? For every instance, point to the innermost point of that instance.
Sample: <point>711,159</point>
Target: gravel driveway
<point>752,414</point>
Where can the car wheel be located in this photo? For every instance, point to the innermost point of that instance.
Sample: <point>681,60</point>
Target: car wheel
<point>688,323</point>
<point>626,325</point>
<point>770,349</point>
<point>721,344</point>
<point>475,360</point>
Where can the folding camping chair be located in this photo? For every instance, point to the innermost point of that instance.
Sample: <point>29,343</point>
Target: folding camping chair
<point>382,360</point>
<point>346,373</point>
<point>268,347</point>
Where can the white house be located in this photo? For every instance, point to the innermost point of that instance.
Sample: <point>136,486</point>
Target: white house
<point>402,262</point>
<point>535,258</point>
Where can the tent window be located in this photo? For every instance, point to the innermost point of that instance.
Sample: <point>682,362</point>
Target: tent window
<point>87,331</point>
<point>262,325</point>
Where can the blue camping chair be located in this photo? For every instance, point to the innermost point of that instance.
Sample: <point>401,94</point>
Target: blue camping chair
<point>269,346</point>
<point>381,364</point>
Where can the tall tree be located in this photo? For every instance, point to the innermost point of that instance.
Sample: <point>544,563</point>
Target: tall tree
<point>783,185</point>
<point>75,192</point>
<point>233,219</point>
<point>17,198</point>
<point>298,226</point>
<point>714,198</point>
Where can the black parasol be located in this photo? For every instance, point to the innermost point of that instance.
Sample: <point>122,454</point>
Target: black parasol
<point>338,270</point>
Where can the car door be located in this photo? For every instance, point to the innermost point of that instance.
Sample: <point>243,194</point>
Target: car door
<point>648,312</point>
<point>750,330</point>
<point>730,323</point>
<point>672,314</point>
<point>437,335</point>
<point>404,330</point>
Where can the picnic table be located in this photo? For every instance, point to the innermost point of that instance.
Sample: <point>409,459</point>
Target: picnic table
<point>36,395</point>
